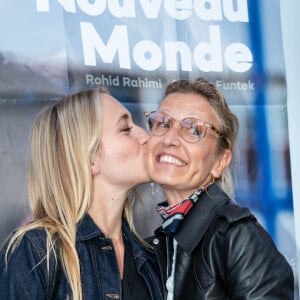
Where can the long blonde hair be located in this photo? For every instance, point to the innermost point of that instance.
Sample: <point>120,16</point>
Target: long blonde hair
<point>64,136</point>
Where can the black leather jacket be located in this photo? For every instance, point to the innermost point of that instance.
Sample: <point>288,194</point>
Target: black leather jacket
<point>223,253</point>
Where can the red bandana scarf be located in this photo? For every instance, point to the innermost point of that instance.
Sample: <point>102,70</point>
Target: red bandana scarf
<point>173,214</point>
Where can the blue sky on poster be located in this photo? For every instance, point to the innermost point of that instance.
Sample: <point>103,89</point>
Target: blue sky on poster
<point>28,34</point>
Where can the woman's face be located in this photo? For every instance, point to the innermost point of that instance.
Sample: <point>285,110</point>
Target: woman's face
<point>182,167</point>
<point>121,155</point>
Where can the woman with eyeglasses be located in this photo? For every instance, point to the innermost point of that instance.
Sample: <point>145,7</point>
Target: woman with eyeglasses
<point>208,246</point>
<point>86,156</point>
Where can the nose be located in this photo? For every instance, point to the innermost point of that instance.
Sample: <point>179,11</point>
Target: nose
<point>171,137</point>
<point>142,135</point>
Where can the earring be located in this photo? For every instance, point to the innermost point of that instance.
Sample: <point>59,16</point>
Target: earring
<point>213,179</point>
<point>157,192</point>
<point>152,188</point>
<point>209,181</point>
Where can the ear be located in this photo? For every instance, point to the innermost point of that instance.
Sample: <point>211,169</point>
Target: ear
<point>221,163</point>
<point>95,164</point>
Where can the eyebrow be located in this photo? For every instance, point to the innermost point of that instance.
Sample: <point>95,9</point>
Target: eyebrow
<point>123,117</point>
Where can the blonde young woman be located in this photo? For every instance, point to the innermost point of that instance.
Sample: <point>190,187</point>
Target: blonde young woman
<point>86,156</point>
<point>209,247</point>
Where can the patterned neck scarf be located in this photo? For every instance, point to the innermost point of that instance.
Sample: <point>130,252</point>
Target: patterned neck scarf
<point>173,214</point>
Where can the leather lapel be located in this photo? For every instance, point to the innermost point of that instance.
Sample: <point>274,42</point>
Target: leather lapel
<point>200,217</point>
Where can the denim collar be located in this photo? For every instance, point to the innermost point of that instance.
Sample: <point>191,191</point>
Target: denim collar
<point>87,230</point>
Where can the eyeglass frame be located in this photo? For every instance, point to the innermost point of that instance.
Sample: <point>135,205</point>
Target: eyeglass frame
<point>206,125</point>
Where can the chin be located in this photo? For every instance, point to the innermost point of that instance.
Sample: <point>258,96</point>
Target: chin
<point>163,180</point>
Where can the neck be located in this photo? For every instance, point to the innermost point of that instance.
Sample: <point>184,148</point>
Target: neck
<point>110,223</point>
<point>119,250</point>
<point>107,210</point>
<point>175,196</point>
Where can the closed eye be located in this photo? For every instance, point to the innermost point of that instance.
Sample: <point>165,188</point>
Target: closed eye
<point>126,129</point>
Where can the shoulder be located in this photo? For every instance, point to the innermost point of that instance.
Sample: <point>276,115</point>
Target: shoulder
<point>30,246</point>
<point>233,213</point>
<point>37,239</point>
<point>27,237</point>
<point>22,253</point>
<point>28,250</point>
<point>248,249</point>
<point>24,265</point>
<point>243,234</point>
<point>230,216</point>
<point>239,220</point>
<point>238,229</point>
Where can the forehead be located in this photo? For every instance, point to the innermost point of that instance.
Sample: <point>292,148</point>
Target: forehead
<point>112,108</point>
<point>183,105</point>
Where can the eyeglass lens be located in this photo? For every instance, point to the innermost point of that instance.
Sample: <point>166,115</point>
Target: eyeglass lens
<point>190,129</point>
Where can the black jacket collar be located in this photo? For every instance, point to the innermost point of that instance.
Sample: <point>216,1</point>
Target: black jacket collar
<point>199,218</point>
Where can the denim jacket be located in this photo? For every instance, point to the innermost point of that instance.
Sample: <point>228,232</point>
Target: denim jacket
<point>26,275</point>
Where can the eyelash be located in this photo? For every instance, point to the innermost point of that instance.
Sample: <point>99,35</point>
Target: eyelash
<point>127,129</point>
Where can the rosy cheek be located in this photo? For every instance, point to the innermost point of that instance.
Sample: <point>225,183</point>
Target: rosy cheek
<point>150,147</point>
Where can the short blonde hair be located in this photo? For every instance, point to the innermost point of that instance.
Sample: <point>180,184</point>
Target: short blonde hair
<point>228,125</point>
